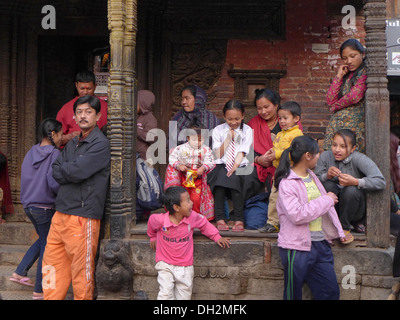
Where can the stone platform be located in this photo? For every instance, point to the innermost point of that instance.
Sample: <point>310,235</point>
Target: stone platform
<point>251,268</point>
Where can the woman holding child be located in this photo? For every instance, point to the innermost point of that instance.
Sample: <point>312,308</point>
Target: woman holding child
<point>266,127</point>
<point>193,115</point>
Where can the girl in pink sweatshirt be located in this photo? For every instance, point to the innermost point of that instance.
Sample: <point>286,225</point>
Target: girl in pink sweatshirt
<point>171,235</point>
<point>308,223</point>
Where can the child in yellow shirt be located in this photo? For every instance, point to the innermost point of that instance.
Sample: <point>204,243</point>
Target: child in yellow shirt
<point>289,115</point>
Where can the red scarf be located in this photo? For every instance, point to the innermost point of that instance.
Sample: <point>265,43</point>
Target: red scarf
<point>262,143</point>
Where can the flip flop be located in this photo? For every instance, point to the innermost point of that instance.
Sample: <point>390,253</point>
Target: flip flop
<point>222,226</point>
<point>349,240</point>
<point>37,296</point>
<point>24,281</point>
<point>238,227</point>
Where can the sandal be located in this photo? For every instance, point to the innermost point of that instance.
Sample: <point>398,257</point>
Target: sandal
<point>222,226</point>
<point>348,237</point>
<point>359,228</point>
<point>238,227</point>
<point>37,296</point>
<point>25,281</point>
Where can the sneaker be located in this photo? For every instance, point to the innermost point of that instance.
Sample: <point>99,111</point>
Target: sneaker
<point>269,228</point>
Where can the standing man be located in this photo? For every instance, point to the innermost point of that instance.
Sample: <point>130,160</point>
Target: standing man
<point>82,170</point>
<point>85,84</point>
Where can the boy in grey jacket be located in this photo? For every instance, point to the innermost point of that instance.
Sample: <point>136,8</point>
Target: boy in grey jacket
<point>82,170</point>
<point>349,174</point>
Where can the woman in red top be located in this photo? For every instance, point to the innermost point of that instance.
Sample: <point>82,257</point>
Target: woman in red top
<point>345,96</point>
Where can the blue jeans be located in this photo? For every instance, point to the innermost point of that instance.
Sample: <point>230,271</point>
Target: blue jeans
<point>314,267</point>
<point>41,220</point>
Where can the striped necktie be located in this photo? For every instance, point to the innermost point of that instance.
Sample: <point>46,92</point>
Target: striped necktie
<point>230,156</point>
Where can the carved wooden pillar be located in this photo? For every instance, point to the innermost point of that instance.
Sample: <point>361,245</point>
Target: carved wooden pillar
<point>121,130</point>
<point>377,121</point>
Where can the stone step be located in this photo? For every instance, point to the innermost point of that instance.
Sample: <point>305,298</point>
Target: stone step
<point>7,285</point>
<point>18,216</point>
<point>17,233</point>
<point>11,255</point>
<point>16,295</point>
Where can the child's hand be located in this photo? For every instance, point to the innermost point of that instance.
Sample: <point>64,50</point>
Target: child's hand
<point>333,172</point>
<point>153,244</point>
<point>182,168</point>
<point>224,242</point>
<point>270,155</point>
<point>333,196</point>
<point>230,172</point>
<point>347,180</point>
<point>200,171</point>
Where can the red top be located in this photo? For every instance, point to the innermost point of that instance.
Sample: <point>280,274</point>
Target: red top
<point>67,117</point>
<point>355,95</point>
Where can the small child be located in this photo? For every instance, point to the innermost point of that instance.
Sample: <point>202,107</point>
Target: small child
<point>171,235</point>
<point>308,221</point>
<point>231,143</point>
<point>289,115</point>
<point>194,160</point>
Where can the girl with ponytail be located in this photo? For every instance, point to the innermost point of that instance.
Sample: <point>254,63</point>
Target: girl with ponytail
<point>308,223</point>
<point>38,195</point>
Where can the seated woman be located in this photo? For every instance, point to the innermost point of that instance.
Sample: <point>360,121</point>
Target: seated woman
<point>193,103</point>
<point>349,174</point>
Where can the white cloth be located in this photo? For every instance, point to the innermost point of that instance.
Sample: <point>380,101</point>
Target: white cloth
<point>176,282</point>
<point>243,141</point>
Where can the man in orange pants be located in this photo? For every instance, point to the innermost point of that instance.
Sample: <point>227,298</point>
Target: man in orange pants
<point>82,170</point>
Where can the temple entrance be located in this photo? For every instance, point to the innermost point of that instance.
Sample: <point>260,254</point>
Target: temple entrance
<point>60,59</point>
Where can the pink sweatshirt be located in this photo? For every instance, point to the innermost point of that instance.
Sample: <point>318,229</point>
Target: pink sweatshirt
<point>175,242</point>
<point>295,213</point>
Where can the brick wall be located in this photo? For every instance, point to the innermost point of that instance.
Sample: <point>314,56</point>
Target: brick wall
<point>308,73</point>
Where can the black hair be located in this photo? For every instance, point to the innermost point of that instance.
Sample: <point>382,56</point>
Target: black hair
<point>354,44</point>
<point>234,105</point>
<point>299,146</point>
<point>94,102</point>
<point>85,76</point>
<point>47,127</point>
<point>191,88</point>
<point>347,133</point>
<point>270,95</point>
<point>172,196</point>
<point>291,106</point>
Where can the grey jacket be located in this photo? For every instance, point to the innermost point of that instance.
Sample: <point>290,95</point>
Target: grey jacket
<point>83,172</point>
<point>357,165</point>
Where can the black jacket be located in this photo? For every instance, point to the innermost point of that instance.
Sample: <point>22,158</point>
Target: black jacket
<point>83,172</point>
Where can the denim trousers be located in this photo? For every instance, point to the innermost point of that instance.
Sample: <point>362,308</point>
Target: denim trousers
<point>41,220</point>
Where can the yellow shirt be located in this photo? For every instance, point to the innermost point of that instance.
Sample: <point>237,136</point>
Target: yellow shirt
<point>283,140</point>
<point>313,193</point>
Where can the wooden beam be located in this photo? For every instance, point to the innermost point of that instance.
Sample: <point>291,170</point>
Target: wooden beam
<point>377,121</point>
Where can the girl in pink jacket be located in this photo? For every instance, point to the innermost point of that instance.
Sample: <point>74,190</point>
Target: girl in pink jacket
<point>308,223</point>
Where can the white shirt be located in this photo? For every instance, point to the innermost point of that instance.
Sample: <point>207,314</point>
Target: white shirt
<point>243,141</point>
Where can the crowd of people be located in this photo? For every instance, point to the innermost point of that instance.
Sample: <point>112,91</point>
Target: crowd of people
<point>312,197</point>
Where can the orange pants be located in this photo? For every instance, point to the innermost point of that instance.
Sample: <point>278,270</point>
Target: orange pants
<point>69,256</point>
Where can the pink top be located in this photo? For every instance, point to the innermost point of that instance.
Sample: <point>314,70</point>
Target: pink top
<point>175,242</point>
<point>354,96</point>
<point>296,212</point>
